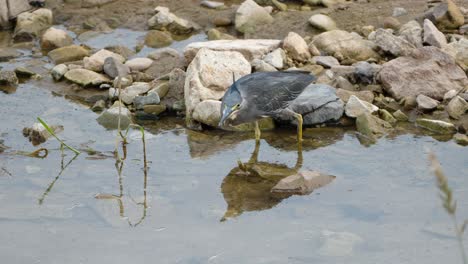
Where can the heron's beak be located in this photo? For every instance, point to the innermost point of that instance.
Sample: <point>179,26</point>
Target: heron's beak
<point>225,115</point>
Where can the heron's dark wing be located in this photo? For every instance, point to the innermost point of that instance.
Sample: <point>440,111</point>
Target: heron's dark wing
<point>271,91</point>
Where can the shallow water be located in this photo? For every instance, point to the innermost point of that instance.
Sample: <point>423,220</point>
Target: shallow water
<point>195,207</point>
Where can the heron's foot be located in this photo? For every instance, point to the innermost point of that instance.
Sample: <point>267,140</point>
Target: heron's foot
<point>257,132</point>
<point>299,127</point>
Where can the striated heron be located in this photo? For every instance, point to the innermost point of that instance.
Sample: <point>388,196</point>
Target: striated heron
<point>264,94</point>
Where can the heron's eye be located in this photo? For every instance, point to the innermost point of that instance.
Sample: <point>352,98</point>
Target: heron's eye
<point>235,106</point>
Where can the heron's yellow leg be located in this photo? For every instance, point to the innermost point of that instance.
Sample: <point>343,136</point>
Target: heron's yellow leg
<point>257,131</point>
<point>299,126</point>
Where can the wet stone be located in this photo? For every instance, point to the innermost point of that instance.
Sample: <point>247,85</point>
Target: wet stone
<point>356,107</point>
<point>426,103</point>
<point>457,107</point>
<point>371,126</point>
<point>24,72</point>
<point>461,139</point>
<point>7,54</point>
<point>154,109</point>
<point>99,106</point>
<point>400,116</point>
<point>8,78</point>
<point>386,116</point>
<point>151,99</point>
<point>59,71</point>
<point>114,68</point>
<point>436,126</point>
<point>110,118</point>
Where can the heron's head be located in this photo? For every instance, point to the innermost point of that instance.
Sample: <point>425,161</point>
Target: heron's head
<point>230,107</point>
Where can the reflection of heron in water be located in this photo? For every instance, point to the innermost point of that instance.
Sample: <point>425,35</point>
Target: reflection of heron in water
<point>248,186</point>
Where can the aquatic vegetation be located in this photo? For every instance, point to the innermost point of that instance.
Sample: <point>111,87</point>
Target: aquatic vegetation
<point>55,136</point>
<point>448,202</point>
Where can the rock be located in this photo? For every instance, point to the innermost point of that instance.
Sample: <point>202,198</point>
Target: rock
<point>400,116</point>
<point>317,104</point>
<point>94,3</point>
<point>114,67</point>
<point>371,126</point>
<point>412,32</point>
<point>392,23</point>
<point>437,126</point>
<point>121,50</point>
<point>208,112</point>
<point>7,54</point>
<point>210,74</point>
<point>85,77</point>
<point>433,36</point>
<point>447,15</point>
<point>325,61</point>
<point>175,95</point>
<point>304,182</point>
<point>367,30</point>
<point>154,109</point>
<point>450,94</point>
<point>110,118</point>
<point>280,6</point>
<point>276,58</point>
<point>343,83</point>
<point>30,25</point>
<point>23,72</point>
<point>397,46</point>
<point>214,34</point>
<point>67,54</point>
<point>123,82</point>
<point>132,91</point>
<point>355,107</point>
<point>399,11</point>
<point>249,15</point>
<point>139,64</point>
<point>459,51</point>
<point>8,78</point>
<point>151,99</point>
<point>322,22</point>
<point>38,134</point>
<point>55,38</point>
<point>250,48</point>
<point>365,72</point>
<point>461,139</point>
<point>314,69</point>
<point>158,39</point>
<point>386,116</point>
<point>165,20</point>
<point>99,106</point>
<point>96,61</point>
<point>457,107</point>
<point>296,47</point>
<point>222,21</point>
<point>426,103</point>
<point>59,71</point>
<point>313,50</point>
<point>346,47</point>
<point>344,95</point>
<point>429,71</point>
<point>162,89</point>
<point>212,4</point>
<point>262,66</point>
<point>164,61</point>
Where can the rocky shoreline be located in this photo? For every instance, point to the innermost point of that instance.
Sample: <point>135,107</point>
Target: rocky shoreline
<point>374,78</point>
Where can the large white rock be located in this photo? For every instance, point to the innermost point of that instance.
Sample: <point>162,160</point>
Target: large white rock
<point>322,22</point>
<point>433,36</point>
<point>356,107</point>
<point>250,48</point>
<point>55,38</point>
<point>208,112</point>
<point>139,64</point>
<point>85,77</point>
<point>276,58</point>
<point>31,24</point>
<point>96,61</point>
<point>412,32</point>
<point>210,74</point>
<point>249,15</point>
<point>296,47</point>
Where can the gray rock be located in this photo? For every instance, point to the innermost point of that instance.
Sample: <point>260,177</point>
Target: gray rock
<point>165,20</point>
<point>433,36</point>
<point>394,45</point>
<point>429,71</point>
<point>322,22</point>
<point>68,53</point>
<point>304,182</point>
<point>413,33</point>
<point>459,51</point>
<point>99,106</point>
<point>114,68</point>
<point>59,71</point>
<point>317,104</point>
<point>85,77</point>
<point>325,61</point>
<point>8,78</point>
<point>249,15</point>
<point>7,54</point>
<point>262,66</point>
<point>110,118</point>
<point>371,126</point>
<point>365,72</point>
<point>132,91</point>
<point>296,47</point>
<point>347,47</point>
<point>447,15</point>
<point>96,61</point>
<point>344,95</point>
<point>356,107</point>
<point>426,103</point>
<point>175,92</point>
<point>399,11</point>
<point>343,83</point>
<point>165,60</point>
<point>151,99</point>
<point>400,116</point>
<point>276,58</point>
<point>436,126</point>
<point>449,95</point>
<point>121,50</point>
<point>30,25</point>
<point>457,107</point>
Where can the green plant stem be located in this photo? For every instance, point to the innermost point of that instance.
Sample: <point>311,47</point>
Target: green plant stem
<point>53,134</point>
